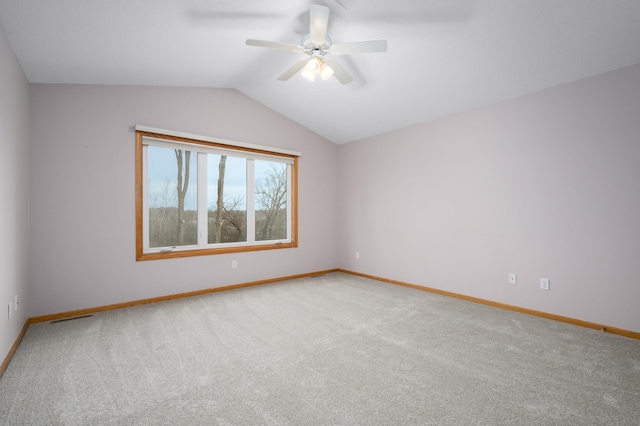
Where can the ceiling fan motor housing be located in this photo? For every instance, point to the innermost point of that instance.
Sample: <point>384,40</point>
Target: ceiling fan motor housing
<point>309,46</point>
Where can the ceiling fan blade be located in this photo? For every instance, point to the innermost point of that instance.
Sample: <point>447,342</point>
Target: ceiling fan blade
<point>285,46</point>
<point>319,20</point>
<point>338,72</point>
<point>293,70</point>
<point>359,47</point>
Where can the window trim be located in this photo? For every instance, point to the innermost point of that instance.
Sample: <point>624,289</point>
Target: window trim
<point>226,145</point>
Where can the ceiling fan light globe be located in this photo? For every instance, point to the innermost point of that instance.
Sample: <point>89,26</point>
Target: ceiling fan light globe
<point>326,72</point>
<point>313,63</point>
<point>309,74</point>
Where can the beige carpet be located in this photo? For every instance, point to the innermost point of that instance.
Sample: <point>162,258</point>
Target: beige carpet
<point>330,350</point>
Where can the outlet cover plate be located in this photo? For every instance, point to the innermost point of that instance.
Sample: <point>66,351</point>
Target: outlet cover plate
<point>544,283</point>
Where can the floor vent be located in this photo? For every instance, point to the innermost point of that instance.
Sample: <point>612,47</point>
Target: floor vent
<point>70,319</point>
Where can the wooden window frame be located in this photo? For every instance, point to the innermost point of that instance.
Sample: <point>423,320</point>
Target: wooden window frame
<point>143,131</point>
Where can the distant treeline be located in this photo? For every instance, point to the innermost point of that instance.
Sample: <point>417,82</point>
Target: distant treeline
<point>163,226</point>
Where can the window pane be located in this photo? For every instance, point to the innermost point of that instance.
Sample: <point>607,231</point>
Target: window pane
<point>172,199</point>
<point>227,194</point>
<point>271,200</point>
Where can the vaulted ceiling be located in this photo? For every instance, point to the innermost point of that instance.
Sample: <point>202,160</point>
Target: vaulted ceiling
<point>444,56</point>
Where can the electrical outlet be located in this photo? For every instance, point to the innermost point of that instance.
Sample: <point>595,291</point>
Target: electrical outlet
<point>544,283</point>
<point>357,255</point>
<point>234,264</point>
<point>512,279</point>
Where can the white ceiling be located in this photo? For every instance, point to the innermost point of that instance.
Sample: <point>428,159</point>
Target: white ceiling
<point>444,56</point>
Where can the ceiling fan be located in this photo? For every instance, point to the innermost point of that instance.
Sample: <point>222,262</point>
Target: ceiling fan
<point>317,45</point>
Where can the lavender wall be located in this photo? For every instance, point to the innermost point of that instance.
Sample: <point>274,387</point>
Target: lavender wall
<point>14,194</point>
<point>83,219</point>
<point>545,185</point>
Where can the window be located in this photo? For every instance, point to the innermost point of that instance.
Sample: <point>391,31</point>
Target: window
<point>198,196</point>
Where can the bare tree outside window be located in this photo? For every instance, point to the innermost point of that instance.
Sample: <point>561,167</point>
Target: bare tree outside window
<point>220,202</point>
<point>171,223</point>
<point>271,203</point>
<point>182,160</point>
<point>227,209</point>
